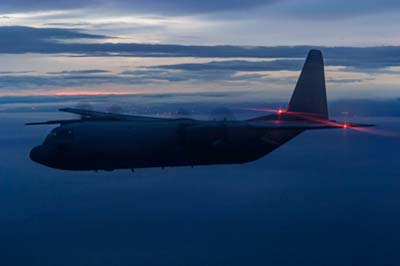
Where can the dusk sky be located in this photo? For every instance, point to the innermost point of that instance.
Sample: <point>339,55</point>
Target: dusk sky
<point>103,47</point>
<point>328,197</point>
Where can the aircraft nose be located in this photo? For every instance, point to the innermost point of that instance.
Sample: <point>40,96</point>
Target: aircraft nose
<point>38,154</point>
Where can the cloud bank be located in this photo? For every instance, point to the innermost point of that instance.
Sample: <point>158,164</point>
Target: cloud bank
<point>50,40</point>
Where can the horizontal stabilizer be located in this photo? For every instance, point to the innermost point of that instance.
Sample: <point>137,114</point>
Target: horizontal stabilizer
<point>328,124</point>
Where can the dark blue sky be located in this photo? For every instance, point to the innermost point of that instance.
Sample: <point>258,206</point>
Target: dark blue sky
<point>325,198</point>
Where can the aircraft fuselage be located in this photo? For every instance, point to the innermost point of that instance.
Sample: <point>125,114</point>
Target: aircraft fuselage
<point>100,145</point>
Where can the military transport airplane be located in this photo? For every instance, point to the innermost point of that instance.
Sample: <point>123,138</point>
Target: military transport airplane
<point>107,141</point>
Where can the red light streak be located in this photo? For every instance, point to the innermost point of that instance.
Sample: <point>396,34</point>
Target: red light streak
<point>264,110</point>
<point>316,119</point>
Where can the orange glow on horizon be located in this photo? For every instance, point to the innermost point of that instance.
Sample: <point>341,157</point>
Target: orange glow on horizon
<point>95,93</point>
<point>71,93</point>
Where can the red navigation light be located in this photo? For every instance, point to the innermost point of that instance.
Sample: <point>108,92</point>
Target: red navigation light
<point>345,126</point>
<point>280,111</point>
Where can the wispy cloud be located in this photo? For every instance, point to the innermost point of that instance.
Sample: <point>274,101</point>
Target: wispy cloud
<point>331,10</point>
<point>238,65</point>
<point>77,72</point>
<point>15,72</point>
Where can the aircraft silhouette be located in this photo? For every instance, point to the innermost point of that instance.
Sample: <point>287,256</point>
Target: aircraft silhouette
<point>108,141</point>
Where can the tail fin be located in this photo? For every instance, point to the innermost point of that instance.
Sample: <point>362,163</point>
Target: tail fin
<point>309,96</point>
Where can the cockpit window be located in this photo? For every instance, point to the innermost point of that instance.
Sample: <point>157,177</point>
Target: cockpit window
<point>60,135</point>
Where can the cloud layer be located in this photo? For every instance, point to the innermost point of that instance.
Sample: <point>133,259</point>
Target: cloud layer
<point>55,40</point>
<point>76,61</point>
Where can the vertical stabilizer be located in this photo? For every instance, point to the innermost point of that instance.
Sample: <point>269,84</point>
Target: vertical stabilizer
<point>309,95</point>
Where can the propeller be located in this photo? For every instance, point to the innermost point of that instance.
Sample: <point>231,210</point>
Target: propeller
<point>84,105</point>
<point>222,114</point>
<point>182,113</point>
<point>115,109</point>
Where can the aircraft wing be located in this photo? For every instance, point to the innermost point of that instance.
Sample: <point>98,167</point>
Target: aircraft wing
<point>88,115</point>
<point>95,115</point>
<point>53,122</point>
